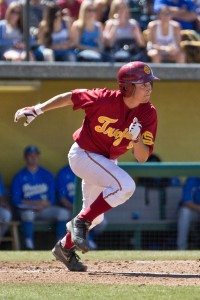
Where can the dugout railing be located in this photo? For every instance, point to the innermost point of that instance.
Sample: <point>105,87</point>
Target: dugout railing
<point>121,218</point>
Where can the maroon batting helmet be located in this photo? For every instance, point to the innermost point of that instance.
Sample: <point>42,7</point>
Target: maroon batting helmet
<point>134,72</point>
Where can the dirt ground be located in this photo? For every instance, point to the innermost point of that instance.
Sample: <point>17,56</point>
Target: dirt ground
<point>170,273</point>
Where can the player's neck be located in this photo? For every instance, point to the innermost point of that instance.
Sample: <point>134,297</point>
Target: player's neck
<point>32,169</point>
<point>130,102</point>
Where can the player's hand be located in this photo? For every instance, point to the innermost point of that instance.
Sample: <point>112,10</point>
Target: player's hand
<point>135,129</point>
<point>30,113</point>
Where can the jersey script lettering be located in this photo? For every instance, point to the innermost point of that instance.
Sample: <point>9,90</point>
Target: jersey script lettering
<point>118,134</point>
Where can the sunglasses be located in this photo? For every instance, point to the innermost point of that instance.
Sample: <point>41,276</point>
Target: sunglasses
<point>91,9</point>
<point>165,13</point>
<point>17,12</point>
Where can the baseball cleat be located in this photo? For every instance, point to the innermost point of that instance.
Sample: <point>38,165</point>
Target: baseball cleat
<point>69,258</point>
<point>79,230</point>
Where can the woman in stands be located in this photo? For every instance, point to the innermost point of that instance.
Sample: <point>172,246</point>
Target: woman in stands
<point>87,34</point>
<point>12,46</point>
<point>164,37</point>
<point>122,34</point>
<point>54,36</point>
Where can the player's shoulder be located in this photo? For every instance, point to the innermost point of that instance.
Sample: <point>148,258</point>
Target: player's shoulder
<point>20,174</point>
<point>98,92</point>
<point>64,170</point>
<point>147,111</point>
<point>44,171</point>
<point>151,108</point>
<point>192,180</point>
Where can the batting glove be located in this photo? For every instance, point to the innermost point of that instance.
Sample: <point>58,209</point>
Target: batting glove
<point>30,113</point>
<point>135,129</point>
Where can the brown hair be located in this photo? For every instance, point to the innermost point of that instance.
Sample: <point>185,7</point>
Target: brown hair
<point>11,7</point>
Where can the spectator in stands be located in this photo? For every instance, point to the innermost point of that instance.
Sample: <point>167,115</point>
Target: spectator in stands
<point>54,36</point>
<point>36,13</point>
<point>3,8</point>
<point>33,196</point>
<point>122,35</point>
<point>164,38</point>
<point>12,47</point>
<point>183,11</point>
<point>87,34</point>
<point>189,209</point>
<point>73,7</point>
<point>197,3</point>
<point>142,11</point>
<point>102,8</point>
<point>5,210</point>
<point>65,192</point>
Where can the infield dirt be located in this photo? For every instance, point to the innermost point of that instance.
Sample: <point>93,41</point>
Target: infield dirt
<point>171,273</point>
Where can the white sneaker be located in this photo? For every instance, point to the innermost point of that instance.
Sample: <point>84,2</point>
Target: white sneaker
<point>29,244</point>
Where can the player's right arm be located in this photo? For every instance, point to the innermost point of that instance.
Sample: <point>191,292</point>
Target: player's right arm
<point>30,113</point>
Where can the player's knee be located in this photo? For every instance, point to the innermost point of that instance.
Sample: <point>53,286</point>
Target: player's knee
<point>27,216</point>
<point>7,216</point>
<point>62,214</point>
<point>129,189</point>
<point>125,193</point>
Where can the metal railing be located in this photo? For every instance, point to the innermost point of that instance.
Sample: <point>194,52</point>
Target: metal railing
<point>159,169</point>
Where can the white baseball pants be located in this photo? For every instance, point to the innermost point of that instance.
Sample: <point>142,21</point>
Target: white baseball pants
<point>100,174</point>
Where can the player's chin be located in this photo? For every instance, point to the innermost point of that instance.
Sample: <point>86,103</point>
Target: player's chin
<point>146,99</point>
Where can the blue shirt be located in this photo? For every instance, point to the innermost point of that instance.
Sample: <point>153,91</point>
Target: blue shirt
<point>191,191</point>
<point>65,184</point>
<point>33,186</point>
<point>90,38</point>
<point>2,188</point>
<point>187,4</point>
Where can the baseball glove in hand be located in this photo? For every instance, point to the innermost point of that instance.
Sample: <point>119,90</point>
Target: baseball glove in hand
<point>30,113</point>
<point>135,129</point>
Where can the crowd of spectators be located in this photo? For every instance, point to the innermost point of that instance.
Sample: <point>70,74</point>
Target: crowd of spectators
<point>102,30</point>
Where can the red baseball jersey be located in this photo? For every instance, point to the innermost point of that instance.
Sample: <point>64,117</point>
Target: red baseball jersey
<point>105,129</point>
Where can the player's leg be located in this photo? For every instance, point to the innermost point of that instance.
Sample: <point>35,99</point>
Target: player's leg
<point>117,187</point>
<point>184,218</point>
<point>5,216</point>
<point>56,214</point>
<point>90,193</point>
<point>64,249</point>
<point>27,218</point>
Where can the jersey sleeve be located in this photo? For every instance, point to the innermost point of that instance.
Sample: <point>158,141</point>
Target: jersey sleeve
<point>51,188</point>
<point>2,188</point>
<point>65,184</point>
<point>60,186</point>
<point>149,128</point>
<point>83,98</point>
<point>16,191</point>
<point>188,188</point>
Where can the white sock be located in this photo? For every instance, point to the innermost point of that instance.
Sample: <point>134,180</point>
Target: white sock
<point>29,243</point>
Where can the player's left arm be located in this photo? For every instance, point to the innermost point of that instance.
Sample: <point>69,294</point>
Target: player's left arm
<point>143,136</point>
<point>140,150</point>
<point>30,113</point>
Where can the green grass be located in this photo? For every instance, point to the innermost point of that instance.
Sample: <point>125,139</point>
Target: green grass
<point>97,292</point>
<point>90,291</point>
<point>103,255</point>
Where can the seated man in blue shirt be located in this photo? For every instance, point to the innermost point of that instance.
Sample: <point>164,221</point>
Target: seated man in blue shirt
<point>183,11</point>
<point>188,210</point>
<point>5,211</point>
<point>33,195</point>
<point>65,191</point>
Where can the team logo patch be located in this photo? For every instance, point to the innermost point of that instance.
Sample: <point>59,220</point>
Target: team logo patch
<point>147,70</point>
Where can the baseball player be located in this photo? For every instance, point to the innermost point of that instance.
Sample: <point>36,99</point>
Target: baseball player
<point>115,121</point>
